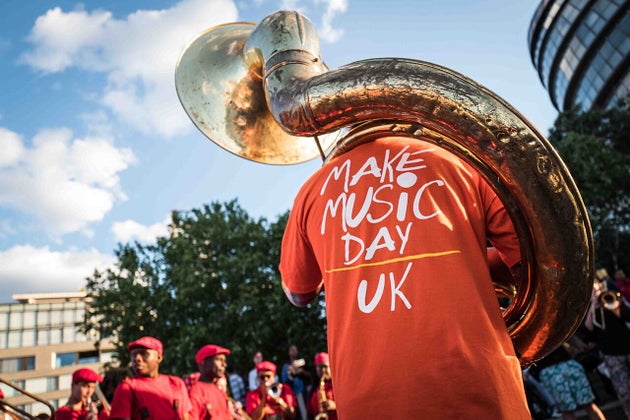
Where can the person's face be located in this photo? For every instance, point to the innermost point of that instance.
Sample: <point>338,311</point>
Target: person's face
<point>258,358</point>
<point>82,390</point>
<point>145,362</point>
<point>213,367</point>
<point>265,377</point>
<point>620,275</point>
<point>323,369</point>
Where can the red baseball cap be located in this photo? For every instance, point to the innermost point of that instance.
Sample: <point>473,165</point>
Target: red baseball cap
<point>264,366</point>
<point>210,350</point>
<point>86,375</point>
<point>148,343</point>
<point>321,358</point>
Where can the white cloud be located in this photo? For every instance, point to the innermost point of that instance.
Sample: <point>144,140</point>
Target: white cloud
<point>11,147</point>
<point>130,230</point>
<point>27,269</point>
<point>138,54</point>
<point>63,182</point>
<point>333,8</point>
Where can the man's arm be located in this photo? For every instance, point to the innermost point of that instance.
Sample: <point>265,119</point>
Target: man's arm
<point>121,403</point>
<point>299,299</point>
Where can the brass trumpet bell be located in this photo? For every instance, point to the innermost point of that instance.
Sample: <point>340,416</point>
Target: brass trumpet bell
<point>225,100</point>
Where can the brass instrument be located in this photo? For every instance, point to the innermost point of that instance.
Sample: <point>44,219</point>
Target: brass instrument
<point>321,399</point>
<point>609,300</point>
<point>260,90</point>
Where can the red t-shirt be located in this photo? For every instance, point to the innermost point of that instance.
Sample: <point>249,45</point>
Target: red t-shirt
<point>254,398</point>
<point>208,402</point>
<point>67,413</point>
<point>163,398</point>
<point>396,231</point>
<point>313,404</point>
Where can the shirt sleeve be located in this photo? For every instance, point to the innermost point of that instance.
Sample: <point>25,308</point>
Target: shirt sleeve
<point>121,403</point>
<point>184,400</point>
<point>252,401</point>
<point>301,275</point>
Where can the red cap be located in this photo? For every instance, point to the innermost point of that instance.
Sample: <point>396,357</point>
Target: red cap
<point>321,358</point>
<point>148,343</point>
<point>210,350</point>
<point>264,366</point>
<point>86,375</point>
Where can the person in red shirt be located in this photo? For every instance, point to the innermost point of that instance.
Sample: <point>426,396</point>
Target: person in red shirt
<point>270,401</point>
<point>80,405</point>
<point>322,399</point>
<point>149,394</point>
<point>207,399</point>
<point>396,231</point>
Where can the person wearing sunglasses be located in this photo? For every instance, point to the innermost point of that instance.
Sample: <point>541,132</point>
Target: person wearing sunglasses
<point>271,400</point>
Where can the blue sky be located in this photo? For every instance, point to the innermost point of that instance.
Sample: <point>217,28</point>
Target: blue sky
<point>95,148</point>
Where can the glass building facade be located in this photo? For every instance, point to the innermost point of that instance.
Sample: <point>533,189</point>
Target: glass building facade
<point>41,345</point>
<point>581,50</point>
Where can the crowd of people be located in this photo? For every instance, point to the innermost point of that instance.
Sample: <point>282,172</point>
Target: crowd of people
<point>601,346</point>
<point>555,386</point>
<point>213,392</point>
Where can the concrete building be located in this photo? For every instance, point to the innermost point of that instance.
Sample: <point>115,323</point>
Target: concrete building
<point>581,50</point>
<point>40,347</point>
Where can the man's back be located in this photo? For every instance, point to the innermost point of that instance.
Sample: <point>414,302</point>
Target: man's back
<point>397,229</point>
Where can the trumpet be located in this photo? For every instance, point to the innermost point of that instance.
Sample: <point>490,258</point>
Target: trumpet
<point>608,300</point>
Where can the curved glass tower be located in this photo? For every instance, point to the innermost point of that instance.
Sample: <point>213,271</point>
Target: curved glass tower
<point>581,50</point>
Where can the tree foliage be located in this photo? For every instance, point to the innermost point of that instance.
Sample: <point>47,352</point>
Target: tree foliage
<point>595,145</point>
<point>214,279</point>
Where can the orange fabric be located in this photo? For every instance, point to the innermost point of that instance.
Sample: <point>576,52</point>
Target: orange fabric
<point>397,230</point>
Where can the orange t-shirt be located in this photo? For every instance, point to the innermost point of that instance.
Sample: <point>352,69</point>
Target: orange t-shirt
<point>396,230</point>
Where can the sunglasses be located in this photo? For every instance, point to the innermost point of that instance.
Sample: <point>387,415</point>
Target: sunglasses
<point>267,376</point>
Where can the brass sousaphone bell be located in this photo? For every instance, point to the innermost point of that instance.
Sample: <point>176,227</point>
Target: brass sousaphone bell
<point>261,90</point>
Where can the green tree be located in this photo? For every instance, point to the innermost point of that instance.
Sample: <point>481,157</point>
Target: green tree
<point>595,145</point>
<point>213,279</point>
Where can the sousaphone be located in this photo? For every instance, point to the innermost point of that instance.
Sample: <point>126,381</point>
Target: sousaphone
<point>263,92</point>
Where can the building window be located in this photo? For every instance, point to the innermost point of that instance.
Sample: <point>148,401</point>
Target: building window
<point>17,364</point>
<point>36,385</point>
<point>88,357</point>
<point>52,384</point>
<point>65,359</point>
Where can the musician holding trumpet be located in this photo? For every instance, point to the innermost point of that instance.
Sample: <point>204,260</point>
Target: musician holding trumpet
<point>80,404</point>
<point>322,404</point>
<point>607,318</point>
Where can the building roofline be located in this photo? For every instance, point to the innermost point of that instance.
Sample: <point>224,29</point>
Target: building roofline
<point>49,297</point>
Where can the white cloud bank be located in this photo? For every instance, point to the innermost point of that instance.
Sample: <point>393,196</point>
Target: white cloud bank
<point>28,269</point>
<point>63,182</point>
<point>138,55</point>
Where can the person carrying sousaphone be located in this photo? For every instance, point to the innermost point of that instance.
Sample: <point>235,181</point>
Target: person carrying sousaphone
<point>322,404</point>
